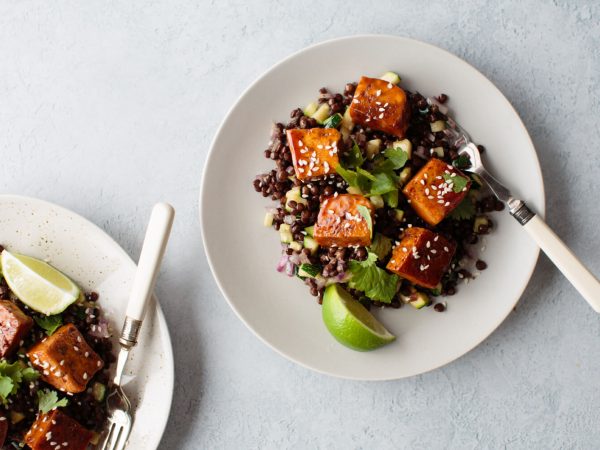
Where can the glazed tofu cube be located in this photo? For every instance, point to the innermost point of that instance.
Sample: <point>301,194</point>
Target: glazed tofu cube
<point>340,224</point>
<point>56,430</point>
<point>422,257</point>
<point>65,360</point>
<point>380,105</point>
<point>14,326</point>
<point>314,151</point>
<point>432,191</point>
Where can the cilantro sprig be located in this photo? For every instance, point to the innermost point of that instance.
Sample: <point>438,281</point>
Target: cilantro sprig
<point>375,282</point>
<point>458,182</point>
<point>11,377</point>
<point>49,323</point>
<point>48,400</point>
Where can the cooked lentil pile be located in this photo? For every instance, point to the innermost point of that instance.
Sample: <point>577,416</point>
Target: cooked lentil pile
<point>370,193</point>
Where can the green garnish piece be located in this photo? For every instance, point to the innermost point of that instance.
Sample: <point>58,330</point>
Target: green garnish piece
<point>333,121</point>
<point>465,210</point>
<point>354,158</point>
<point>462,162</point>
<point>375,282</point>
<point>364,211</point>
<point>458,182</point>
<point>11,377</point>
<point>48,400</point>
<point>397,156</point>
<point>381,246</point>
<point>49,323</point>
<point>384,183</point>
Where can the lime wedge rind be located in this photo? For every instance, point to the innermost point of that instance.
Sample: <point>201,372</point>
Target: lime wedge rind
<point>37,284</point>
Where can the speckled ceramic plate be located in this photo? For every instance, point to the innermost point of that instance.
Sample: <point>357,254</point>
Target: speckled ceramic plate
<point>243,254</point>
<point>97,263</point>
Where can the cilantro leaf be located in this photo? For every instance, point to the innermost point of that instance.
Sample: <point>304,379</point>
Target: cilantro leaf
<point>464,210</point>
<point>48,400</point>
<point>383,183</point>
<point>49,323</point>
<point>381,246</point>
<point>397,156</point>
<point>354,158</point>
<point>349,176</point>
<point>375,282</point>
<point>462,162</point>
<point>366,174</point>
<point>12,375</point>
<point>391,198</point>
<point>364,211</point>
<point>458,182</point>
<point>6,386</point>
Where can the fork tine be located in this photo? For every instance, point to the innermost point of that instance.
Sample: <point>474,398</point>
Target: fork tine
<point>106,439</point>
<point>114,436</point>
<point>123,436</point>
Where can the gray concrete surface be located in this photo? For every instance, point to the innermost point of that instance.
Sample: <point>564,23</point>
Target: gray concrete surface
<point>108,106</point>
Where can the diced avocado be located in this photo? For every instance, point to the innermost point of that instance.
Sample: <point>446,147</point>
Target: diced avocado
<point>439,151</point>
<point>310,109</point>
<point>98,391</point>
<point>295,195</point>
<point>285,233</point>
<point>391,77</point>
<point>438,125</point>
<point>296,246</point>
<point>373,148</point>
<point>310,244</point>
<point>354,190</point>
<point>308,270</point>
<point>405,145</point>
<point>268,222</point>
<point>398,215</point>
<point>333,121</point>
<point>478,222</point>
<point>405,175</point>
<point>16,417</point>
<point>377,201</point>
<point>310,231</point>
<point>95,438</point>
<point>421,300</point>
<point>322,113</point>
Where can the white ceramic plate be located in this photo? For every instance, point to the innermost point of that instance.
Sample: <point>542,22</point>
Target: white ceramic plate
<point>243,254</point>
<point>97,263</point>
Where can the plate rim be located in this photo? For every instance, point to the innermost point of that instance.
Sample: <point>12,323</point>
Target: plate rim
<point>161,320</point>
<point>221,129</point>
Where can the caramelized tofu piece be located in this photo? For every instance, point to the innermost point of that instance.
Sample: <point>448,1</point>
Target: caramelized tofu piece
<point>56,430</point>
<point>314,151</point>
<point>3,429</point>
<point>340,223</point>
<point>431,192</point>
<point>14,326</point>
<point>422,257</point>
<point>65,359</point>
<point>381,106</point>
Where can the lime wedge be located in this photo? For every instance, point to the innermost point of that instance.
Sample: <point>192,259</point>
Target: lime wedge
<point>350,322</point>
<point>37,284</point>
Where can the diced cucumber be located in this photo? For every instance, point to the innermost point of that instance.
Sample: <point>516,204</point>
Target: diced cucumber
<point>285,233</point>
<point>405,145</point>
<point>295,195</point>
<point>347,120</point>
<point>98,391</point>
<point>310,109</point>
<point>480,221</point>
<point>421,300</point>
<point>308,270</point>
<point>310,231</point>
<point>377,201</point>
<point>437,290</point>
<point>310,244</point>
<point>354,190</point>
<point>296,246</point>
<point>95,440</point>
<point>268,222</point>
<point>322,113</point>
<point>439,151</point>
<point>438,125</point>
<point>333,121</point>
<point>373,148</point>
<point>16,417</point>
<point>398,215</point>
<point>391,77</point>
<point>405,175</point>
<point>477,179</point>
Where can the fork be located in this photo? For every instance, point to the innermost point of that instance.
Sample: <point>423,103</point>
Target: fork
<point>566,261</point>
<point>120,418</point>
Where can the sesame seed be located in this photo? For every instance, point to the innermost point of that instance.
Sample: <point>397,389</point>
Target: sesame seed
<point>446,249</point>
<point>378,93</point>
<point>381,116</point>
<point>300,142</point>
<point>355,100</point>
<point>390,85</point>
<point>428,244</point>
<point>85,375</point>
<point>423,267</point>
<point>404,249</point>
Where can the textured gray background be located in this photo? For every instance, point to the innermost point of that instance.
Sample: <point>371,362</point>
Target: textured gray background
<point>108,106</point>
